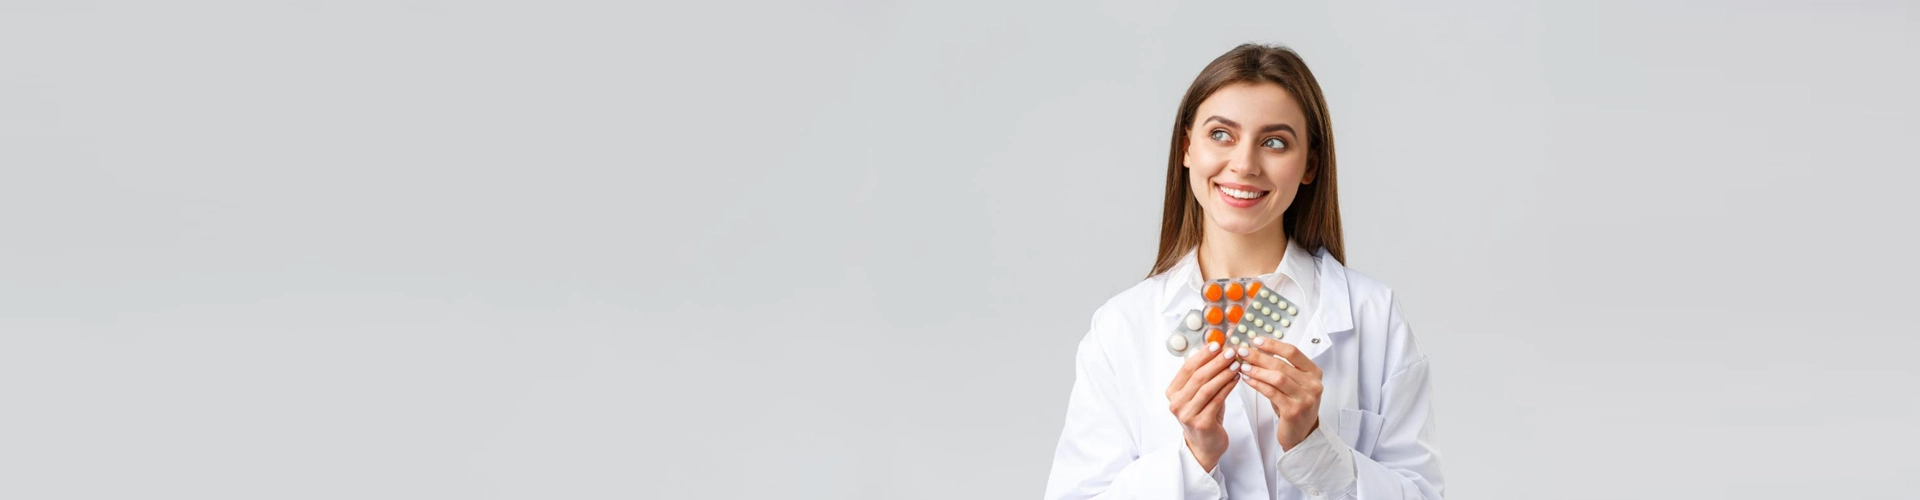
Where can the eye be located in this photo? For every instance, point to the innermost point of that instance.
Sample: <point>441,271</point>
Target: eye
<point>1275,143</point>
<point>1220,135</point>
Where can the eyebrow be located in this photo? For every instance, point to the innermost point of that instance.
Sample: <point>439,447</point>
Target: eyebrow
<point>1269,128</point>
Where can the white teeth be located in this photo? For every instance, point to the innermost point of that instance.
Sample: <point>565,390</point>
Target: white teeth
<point>1244,195</point>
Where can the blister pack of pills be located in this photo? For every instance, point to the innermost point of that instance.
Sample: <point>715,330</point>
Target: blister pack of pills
<point>1237,310</point>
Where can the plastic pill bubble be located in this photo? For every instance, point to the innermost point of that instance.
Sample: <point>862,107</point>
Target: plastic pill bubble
<point>1193,320</point>
<point>1234,292</point>
<point>1233,311</point>
<point>1254,289</point>
<point>1215,337</point>
<point>1177,342</point>
<point>1212,292</point>
<point>1213,315</point>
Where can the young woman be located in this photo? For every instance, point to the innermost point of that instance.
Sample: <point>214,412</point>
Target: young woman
<point>1338,409</point>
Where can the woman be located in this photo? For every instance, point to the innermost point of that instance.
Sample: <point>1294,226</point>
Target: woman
<point>1338,409</point>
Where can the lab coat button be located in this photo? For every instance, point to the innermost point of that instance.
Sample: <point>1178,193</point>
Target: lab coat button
<point>1316,340</point>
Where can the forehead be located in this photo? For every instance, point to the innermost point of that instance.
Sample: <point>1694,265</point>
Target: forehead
<point>1252,105</point>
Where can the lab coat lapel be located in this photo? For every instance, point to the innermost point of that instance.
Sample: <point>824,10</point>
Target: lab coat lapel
<point>1333,313</point>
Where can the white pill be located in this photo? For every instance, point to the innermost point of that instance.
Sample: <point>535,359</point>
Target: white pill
<point>1286,322</point>
<point>1193,321</point>
<point>1258,322</point>
<point>1246,316</point>
<point>1275,316</point>
<point>1282,304</point>
<point>1243,328</point>
<point>1293,310</point>
<point>1268,328</point>
<point>1177,342</point>
<point>1264,310</point>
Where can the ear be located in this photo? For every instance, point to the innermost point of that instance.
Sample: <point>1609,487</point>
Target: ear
<point>1186,152</point>
<point>1313,170</point>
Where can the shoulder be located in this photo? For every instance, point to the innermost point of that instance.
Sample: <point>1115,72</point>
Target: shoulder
<point>1370,297</point>
<point>1380,324</point>
<point>1132,306</point>
<point>1124,323</point>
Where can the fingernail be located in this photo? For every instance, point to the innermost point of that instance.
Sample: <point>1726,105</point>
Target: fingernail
<point>1227,354</point>
<point>1213,346</point>
<point>1234,367</point>
<point>1246,368</point>
<point>1259,341</point>
<point>1243,352</point>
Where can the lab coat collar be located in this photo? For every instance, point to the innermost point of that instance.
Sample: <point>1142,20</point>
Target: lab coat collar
<point>1323,276</point>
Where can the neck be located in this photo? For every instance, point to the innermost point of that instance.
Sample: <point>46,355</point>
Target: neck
<point>1229,255</point>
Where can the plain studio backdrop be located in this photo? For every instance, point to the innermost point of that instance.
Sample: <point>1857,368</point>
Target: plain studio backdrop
<point>438,249</point>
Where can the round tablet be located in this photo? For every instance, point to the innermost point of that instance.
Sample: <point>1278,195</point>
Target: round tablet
<point>1246,317</point>
<point>1258,322</point>
<point>1243,328</point>
<point>1286,322</point>
<point>1213,315</point>
<point>1253,289</point>
<point>1280,303</point>
<point>1233,312</point>
<point>1293,310</point>
<point>1275,316</point>
<point>1177,342</point>
<point>1234,292</point>
<point>1193,320</point>
<point>1268,328</point>
<point>1215,337</point>
<point>1212,292</point>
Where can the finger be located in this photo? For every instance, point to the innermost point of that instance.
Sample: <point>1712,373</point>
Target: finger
<point>1217,404</point>
<point>1208,379</point>
<point>1278,380</point>
<point>1194,359</point>
<point>1265,389</point>
<point>1259,357</point>
<point>1215,363</point>
<point>1214,393</point>
<point>1291,354</point>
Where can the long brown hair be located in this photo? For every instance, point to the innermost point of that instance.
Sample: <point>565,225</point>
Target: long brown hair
<point>1313,220</point>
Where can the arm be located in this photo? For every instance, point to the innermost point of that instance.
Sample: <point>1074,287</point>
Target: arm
<point>1097,457</point>
<point>1403,464</point>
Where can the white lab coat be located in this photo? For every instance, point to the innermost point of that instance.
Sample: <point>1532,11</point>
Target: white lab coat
<point>1121,441</point>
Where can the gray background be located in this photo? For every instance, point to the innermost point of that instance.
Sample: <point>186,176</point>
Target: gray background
<point>845,250</point>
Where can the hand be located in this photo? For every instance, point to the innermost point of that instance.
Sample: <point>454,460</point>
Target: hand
<point>1197,397</point>
<point>1290,381</point>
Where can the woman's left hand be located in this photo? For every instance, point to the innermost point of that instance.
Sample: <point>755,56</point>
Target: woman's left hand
<point>1290,381</point>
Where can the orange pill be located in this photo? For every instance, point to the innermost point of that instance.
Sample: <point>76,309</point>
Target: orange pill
<point>1215,337</point>
<point>1213,315</point>
<point>1212,292</point>
<point>1233,313</point>
<point>1253,289</point>
<point>1234,292</point>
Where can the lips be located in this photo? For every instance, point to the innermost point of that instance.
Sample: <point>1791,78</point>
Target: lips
<point>1239,195</point>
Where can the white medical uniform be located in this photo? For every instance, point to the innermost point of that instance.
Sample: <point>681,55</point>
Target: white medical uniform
<point>1374,440</point>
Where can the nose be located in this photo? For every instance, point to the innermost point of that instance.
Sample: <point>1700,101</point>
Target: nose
<point>1244,161</point>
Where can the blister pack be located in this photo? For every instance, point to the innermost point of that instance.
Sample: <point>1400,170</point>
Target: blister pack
<point>1237,310</point>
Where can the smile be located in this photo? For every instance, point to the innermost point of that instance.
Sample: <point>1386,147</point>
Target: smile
<point>1240,196</point>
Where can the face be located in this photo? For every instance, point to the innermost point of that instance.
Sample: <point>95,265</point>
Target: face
<point>1247,156</point>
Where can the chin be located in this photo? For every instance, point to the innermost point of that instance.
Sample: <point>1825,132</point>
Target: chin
<point>1242,226</point>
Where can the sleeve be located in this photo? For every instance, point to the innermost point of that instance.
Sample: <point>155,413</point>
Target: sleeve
<point>1097,456</point>
<point>1404,463</point>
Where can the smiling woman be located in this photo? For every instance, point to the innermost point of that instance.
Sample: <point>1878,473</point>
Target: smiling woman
<point>1250,198</point>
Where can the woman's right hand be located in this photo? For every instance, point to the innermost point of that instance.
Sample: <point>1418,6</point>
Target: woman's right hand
<point>1197,396</point>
